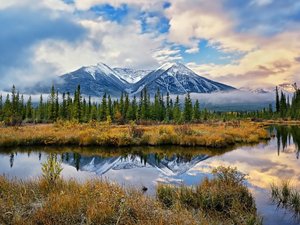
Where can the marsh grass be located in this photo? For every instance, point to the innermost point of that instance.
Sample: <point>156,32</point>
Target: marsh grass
<point>103,134</point>
<point>286,196</point>
<point>224,198</point>
<point>101,202</point>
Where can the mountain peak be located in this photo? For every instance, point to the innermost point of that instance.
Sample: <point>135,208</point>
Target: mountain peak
<point>98,68</point>
<point>170,65</point>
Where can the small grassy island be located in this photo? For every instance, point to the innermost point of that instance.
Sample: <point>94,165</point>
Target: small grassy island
<point>102,134</point>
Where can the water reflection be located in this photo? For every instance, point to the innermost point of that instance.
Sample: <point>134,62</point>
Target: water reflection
<point>146,166</point>
<point>172,165</point>
<point>286,135</point>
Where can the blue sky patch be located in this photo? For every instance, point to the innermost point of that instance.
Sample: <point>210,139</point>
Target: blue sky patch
<point>111,13</point>
<point>209,54</point>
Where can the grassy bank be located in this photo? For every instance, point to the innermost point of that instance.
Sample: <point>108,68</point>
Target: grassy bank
<point>101,134</point>
<point>221,200</point>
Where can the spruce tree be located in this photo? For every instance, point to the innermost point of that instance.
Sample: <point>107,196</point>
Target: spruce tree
<point>56,112</point>
<point>121,108</point>
<point>89,112</point>
<point>51,104</point>
<point>63,108</point>
<point>188,108</point>
<point>283,105</point>
<point>126,107</point>
<point>69,107</point>
<point>103,111</point>
<point>277,101</point>
<point>177,111</point>
<point>29,114</point>
<point>77,104</point>
<point>109,107</point>
<point>168,108</point>
<point>196,111</point>
<point>41,114</point>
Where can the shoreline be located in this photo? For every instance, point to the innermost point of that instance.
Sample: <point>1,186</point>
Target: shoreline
<point>214,135</point>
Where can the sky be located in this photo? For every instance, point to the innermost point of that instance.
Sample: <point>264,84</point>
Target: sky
<point>242,43</point>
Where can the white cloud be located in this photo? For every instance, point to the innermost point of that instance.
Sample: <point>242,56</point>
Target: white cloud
<point>192,50</point>
<point>198,19</point>
<point>49,4</point>
<point>274,62</point>
<point>109,42</point>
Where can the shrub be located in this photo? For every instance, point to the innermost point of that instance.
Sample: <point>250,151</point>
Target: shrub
<point>51,170</point>
<point>224,198</point>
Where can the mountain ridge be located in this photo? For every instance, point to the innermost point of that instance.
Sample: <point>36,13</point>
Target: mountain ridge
<point>174,78</point>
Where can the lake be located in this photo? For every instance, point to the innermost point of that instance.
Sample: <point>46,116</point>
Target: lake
<point>264,163</point>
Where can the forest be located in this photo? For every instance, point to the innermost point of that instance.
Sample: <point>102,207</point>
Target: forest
<point>145,108</point>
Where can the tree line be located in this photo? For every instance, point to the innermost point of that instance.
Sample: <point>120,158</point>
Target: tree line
<point>75,107</point>
<point>14,110</point>
<point>286,107</point>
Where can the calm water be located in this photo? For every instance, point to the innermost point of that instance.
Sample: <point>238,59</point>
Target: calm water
<point>265,163</point>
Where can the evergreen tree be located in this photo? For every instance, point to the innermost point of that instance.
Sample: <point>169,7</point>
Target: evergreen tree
<point>16,113</point>
<point>41,113</point>
<point>283,105</point>
<point>22,108</point>
<point>144,105</point>
<point>188,108</point>
<point>29,111</point>
<point>51,104</point>
<point>177,111</point>
<point>56,112</point>
<point>168,108</point>
<point>196,111</point>
<point>77,104</point>
<point>89,112</point>
<point>69,107</point>
<point>63,108</point>
<point>103,112</point>
<point>126,107</point>
<point>121,108</point>
<point>277,101</point>
<point>109,107</point>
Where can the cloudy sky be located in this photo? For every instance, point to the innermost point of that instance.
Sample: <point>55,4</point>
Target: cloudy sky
<point>252,43</point>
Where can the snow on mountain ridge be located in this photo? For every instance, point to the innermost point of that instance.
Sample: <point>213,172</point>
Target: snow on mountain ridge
<point>176,78</point>
<point>169,166</point>
<point>131,75</point>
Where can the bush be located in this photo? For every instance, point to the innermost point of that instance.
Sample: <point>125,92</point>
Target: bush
<point>51,170</point>
<point>225,197</point>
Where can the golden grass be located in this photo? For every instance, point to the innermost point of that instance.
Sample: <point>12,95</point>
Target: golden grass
<point>100,134</point>
<point>224,198</point>
<point>99,202</point>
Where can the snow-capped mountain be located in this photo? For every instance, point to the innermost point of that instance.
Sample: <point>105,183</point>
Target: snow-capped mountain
<point>168,166</point>
<point>131,75</point>
<point>176,78</point>
<point>94,80</point>
<point>255,90</point>
<point>286,88</point>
